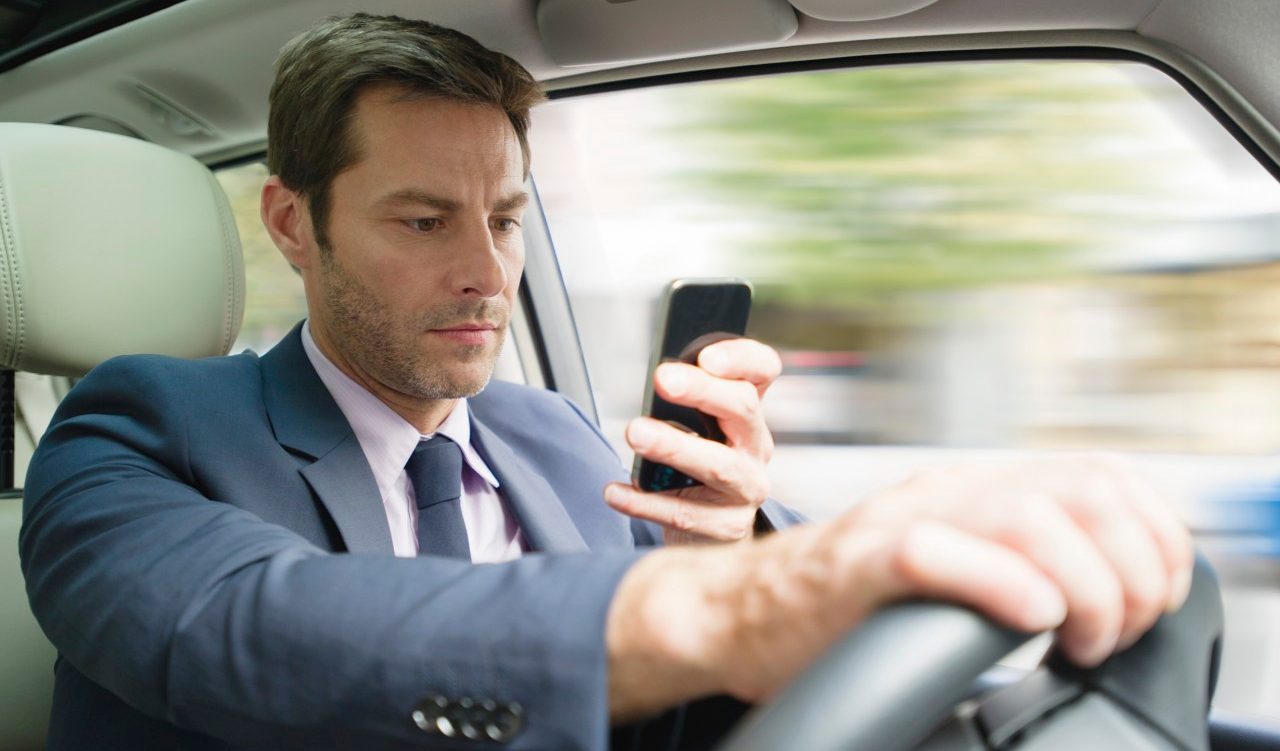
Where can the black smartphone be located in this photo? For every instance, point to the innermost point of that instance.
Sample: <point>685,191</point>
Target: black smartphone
<point>694,313</point>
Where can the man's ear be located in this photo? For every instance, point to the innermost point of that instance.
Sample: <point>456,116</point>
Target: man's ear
<point>288,221</point>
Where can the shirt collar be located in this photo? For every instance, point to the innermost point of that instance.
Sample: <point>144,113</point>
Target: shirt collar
<point>386,438</point>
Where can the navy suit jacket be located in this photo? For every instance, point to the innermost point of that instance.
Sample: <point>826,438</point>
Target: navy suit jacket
<point>180,529</point>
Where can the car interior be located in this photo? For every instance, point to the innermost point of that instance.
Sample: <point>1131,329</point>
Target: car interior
<point>116,238</point>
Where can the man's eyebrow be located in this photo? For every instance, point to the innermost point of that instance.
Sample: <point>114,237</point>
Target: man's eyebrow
<point>512,202</point>
<point>420,197</point>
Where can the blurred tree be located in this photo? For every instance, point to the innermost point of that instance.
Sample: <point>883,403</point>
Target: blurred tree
<point>884,180</point>
<point>274,300</point>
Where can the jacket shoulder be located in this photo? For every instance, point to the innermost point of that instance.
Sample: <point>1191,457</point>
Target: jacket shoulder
<point>151,376</point>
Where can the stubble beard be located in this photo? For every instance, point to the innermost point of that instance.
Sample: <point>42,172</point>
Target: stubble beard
<point>388,350</point>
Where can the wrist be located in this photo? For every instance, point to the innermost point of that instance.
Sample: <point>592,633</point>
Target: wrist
<point>669,628</point>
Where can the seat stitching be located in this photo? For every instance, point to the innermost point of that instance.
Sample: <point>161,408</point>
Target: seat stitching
<point>11,294</point>
<point>229,260</point>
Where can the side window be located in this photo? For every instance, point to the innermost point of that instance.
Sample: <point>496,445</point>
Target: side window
<point>954,260</point>
<point>274,300</point>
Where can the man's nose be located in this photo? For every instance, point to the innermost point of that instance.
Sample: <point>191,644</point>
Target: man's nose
<point>478,268</point>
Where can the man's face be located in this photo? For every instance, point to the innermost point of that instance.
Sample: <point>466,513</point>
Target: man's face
<point>425,252</point>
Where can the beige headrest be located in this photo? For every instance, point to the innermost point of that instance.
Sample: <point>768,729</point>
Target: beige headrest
<point>110,245</point>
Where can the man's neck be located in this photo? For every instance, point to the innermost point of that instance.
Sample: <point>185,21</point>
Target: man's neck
<point>424,414</point>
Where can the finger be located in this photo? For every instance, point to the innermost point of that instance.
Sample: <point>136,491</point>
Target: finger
<point>1102,509</point>
<point>939,561</point>
<point>713,464</point>
<point>681,514</point>
<point>1171,536</point>
<point>742,360</point>
<point>734,404</point>
<point>1039,529</point>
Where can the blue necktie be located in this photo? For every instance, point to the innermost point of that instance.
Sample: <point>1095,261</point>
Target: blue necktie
<point>435,469</point>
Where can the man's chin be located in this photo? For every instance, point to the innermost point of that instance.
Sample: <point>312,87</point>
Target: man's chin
<point>454,386</point>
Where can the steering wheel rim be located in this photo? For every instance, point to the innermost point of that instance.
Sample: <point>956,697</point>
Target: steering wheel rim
<point>898,695</point>
<point>891,682</point>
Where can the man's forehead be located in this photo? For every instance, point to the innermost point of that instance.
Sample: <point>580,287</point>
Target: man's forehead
<point>429,143</point>
<point>433,121</point>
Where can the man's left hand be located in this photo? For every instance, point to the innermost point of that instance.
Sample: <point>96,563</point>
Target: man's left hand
<point>728,384</point>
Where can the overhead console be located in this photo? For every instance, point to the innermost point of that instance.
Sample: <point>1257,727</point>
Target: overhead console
<point>587,32</point>
<point>859,10</point>
<point>591,32</point>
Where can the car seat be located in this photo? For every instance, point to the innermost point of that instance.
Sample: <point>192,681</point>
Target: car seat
<point>108,245</point>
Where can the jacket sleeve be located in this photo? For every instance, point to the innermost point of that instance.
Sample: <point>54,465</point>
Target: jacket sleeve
<point>202,614</point>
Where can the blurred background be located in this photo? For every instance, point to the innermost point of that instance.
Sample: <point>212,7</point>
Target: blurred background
<point>956,261</point>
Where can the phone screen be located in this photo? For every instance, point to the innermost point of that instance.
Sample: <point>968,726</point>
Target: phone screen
<point>694,314</point>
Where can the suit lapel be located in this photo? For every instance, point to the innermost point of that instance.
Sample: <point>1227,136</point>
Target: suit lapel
<point>307,420</point>
<point>543,519</point>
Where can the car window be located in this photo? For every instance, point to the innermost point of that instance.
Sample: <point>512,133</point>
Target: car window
<point>274,299</point>
<point>955,259</point>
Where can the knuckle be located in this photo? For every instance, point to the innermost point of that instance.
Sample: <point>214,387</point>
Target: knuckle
<point>747,400</point>
<point>1091,612</point>
<point>1027,521</point>
<point>1101,605</point>
<point>1144,601</point>
<point>682,519</point>
<point>740,529</point>
<point>1094,504</point>
<point>773,363</point>
<point>754,492</point>
<point>723,474</point>
<point>908,559</point>
<point>760,491</point>
<point>766,446</point>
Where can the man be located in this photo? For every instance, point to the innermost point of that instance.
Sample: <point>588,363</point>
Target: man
<point>183,518</point>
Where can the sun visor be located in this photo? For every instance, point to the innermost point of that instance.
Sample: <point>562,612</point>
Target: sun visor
<point>859,10</point>
<point>590,32</point>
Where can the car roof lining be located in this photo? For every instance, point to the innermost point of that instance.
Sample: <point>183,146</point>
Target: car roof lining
<point>214,58</point>
<point>37,27</point>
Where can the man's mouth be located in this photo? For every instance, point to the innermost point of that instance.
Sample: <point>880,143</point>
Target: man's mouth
<point>468,333</point>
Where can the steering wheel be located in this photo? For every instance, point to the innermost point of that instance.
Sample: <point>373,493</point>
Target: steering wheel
<point>905,680</point>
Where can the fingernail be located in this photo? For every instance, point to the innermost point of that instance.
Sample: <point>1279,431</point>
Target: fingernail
<point>641,434</point>
<point>612,494</point>
<point>675,381</point>
<point>1179,590</point>
<point>1045,607</point>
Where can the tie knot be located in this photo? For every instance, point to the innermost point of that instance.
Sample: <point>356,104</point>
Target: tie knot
<point>435,470</point>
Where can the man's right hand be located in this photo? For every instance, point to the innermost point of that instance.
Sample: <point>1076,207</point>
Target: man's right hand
<point>1078,544</point>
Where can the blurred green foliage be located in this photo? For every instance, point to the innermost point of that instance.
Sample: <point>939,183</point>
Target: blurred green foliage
<point>274,299</point>
<point>884,180</point>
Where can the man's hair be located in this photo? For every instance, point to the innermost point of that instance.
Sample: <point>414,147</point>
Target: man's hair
<point>320,73</point>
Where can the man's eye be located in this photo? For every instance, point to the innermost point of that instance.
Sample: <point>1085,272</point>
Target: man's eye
<point>506,224</point>
<point>423,225</point>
